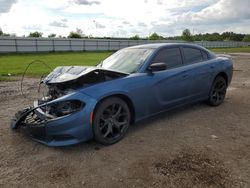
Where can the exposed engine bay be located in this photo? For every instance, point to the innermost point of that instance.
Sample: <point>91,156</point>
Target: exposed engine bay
<point>67,78</point>
<point>62,81</point>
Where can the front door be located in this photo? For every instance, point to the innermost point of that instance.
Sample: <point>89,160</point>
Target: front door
<point>170,87</point>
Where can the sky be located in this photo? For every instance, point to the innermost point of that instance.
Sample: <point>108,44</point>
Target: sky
<point>124,18</point>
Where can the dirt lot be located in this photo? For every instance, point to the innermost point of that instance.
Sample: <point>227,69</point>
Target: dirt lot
<point>195,146</point>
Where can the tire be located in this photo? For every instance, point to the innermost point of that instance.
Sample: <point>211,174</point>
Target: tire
<point>111,120</point>
<point>218,91</point>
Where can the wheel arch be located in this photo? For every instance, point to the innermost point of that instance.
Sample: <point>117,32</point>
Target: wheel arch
<point>224,75</point>
<point>125,98</point>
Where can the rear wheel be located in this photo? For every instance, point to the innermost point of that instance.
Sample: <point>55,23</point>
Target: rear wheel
<point>111,120</point>
<point>217,91</point>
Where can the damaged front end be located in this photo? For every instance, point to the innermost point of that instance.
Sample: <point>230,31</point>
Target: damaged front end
<point>49,122</point>
<point>61,116</point>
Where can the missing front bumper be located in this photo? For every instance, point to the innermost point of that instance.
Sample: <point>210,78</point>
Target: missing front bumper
<point>57,132</point>
<point>33,125</point>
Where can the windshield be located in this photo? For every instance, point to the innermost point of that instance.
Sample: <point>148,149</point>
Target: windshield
<point>126,60</point>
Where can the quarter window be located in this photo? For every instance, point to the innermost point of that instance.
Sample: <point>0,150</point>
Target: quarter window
<point>170,56</point>
<point>192,55</point>
<point>204,55</point>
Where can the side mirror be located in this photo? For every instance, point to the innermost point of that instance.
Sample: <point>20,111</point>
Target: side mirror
<point>157,67</point>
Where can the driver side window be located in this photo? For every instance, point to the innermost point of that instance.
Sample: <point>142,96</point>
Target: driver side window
<point>170,56</point>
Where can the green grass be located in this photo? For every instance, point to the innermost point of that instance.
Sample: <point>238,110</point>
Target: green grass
<point>15,64</point>
<point>231,50</point>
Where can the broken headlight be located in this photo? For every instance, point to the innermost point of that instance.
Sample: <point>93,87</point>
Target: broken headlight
<point>62,108</point>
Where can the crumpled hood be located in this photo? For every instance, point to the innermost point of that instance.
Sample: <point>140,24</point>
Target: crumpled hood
<point>69,73</point>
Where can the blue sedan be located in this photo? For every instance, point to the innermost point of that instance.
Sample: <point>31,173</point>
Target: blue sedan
<point>134,83</point>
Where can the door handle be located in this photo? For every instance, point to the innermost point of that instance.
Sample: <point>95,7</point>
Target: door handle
<point>185,75</point>
<point>212,66</point>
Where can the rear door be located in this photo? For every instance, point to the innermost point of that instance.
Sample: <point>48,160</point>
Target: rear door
<point>200,71</point>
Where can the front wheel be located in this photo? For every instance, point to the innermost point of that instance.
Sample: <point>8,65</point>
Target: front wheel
<point>111,120</point>
<point>217,91</point>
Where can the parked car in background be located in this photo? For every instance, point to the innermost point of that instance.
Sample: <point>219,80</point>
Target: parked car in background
<point>132,84</point>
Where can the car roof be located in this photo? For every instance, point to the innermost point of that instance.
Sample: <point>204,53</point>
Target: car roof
<point>160,45</point>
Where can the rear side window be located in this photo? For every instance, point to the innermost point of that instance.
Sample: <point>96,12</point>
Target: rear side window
<point>192,55</point>
<point>204,55</point>
<point>170,56</point>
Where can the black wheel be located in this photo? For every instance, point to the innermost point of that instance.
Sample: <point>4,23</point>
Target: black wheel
<point>217,91</point>
<point>111,120</point>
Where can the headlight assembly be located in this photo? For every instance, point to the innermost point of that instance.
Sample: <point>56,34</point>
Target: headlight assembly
<point>63,108</point>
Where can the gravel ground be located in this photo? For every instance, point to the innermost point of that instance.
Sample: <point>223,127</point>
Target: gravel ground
<point>194,146</point>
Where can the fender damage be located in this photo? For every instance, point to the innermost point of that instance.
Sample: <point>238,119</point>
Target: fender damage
<point>61,117</point>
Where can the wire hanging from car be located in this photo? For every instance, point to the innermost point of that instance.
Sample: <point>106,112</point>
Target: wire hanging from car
<point>25,71</point>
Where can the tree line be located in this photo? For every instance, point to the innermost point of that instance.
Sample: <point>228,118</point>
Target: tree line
<point>186,36</point>
<point>225,36</point>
